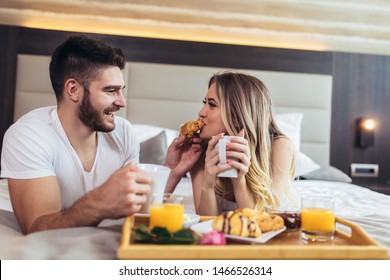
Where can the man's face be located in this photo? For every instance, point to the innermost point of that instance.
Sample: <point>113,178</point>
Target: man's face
<point>103,98</point>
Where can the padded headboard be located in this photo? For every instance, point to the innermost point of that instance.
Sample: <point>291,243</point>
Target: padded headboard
<point>167,95</point>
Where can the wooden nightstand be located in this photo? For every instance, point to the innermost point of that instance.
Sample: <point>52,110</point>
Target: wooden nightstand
<point>382,187</point>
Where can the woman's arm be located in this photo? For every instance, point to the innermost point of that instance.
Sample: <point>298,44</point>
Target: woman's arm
<point>204,178</point>
<point>181,157</point>
<point>208,203</point>
<point>242,194</point>
<point>281,161</point>
<point>205,199</point>
<point>239,149</point>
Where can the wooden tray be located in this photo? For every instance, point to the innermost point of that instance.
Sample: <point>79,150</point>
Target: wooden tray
<point>287,245</point>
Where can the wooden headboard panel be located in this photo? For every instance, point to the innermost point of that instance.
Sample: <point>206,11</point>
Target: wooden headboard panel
<point>166,95</point>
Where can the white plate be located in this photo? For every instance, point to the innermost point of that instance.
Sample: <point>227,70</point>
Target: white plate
<point>205,227</point>
<point>191,218</point>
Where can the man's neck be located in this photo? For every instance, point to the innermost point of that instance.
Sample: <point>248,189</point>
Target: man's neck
<point>78,133</point>
<point>81,137</point>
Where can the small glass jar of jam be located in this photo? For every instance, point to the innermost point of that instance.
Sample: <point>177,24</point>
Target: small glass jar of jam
<point>291,216</point>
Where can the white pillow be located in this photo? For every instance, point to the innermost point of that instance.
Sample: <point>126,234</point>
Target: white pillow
<point>304,165</point>
<point>328,173</point>
<point>290,125</point>
<point>145,132</point>
<point>170,134</point>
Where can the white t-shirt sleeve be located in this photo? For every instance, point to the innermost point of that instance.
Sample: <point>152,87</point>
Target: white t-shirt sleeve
<point>26,155</point>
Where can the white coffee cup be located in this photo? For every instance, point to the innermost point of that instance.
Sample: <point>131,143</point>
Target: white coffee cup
<point>221,145</point>
<point>159,175</point>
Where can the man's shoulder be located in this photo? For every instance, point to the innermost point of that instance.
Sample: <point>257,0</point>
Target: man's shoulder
<point>43,115</point>
<point>38,121</point>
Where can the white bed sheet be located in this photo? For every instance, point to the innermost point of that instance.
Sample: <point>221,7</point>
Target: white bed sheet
<point>5,202</point>
<point>370,210</point>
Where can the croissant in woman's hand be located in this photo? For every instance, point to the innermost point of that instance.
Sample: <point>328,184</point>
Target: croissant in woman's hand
<point>190,128</point>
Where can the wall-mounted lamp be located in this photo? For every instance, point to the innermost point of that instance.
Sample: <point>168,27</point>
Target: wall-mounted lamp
<point>365,129</point>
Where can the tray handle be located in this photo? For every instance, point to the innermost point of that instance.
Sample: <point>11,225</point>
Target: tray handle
<point>126,231</point>
<point>357,235</point>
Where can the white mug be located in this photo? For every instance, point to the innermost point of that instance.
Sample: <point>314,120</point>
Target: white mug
<point>221,145</point>
<point>159,175</point>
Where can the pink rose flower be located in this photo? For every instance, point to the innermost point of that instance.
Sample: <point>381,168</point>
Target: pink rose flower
<point>213,238</point>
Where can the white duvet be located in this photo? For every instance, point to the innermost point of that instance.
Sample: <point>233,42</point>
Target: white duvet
<point>370,210</point>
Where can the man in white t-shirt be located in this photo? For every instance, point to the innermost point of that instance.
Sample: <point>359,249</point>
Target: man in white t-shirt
<point>74,164</point>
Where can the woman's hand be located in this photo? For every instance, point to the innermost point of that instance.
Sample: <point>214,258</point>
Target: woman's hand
<point>181,156</point>
<point>238,148</point>
<point>212,168</point>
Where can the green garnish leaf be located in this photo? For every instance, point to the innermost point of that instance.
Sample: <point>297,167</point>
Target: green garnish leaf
<point>159,235</point>
<point>161,232</point>
<point>142,234</point>
<point>184,233</point>
<point>184,236</point>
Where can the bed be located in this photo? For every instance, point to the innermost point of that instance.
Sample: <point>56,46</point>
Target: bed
<point>168,91</point>
<point>362,206</point>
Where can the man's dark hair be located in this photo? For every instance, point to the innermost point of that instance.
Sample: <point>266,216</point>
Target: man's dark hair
<point>82,58</point>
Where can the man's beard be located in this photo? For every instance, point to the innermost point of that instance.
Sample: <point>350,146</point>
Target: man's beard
<point>91,117</point>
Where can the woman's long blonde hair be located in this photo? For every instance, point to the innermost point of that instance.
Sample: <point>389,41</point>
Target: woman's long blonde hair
<point>246,104</point>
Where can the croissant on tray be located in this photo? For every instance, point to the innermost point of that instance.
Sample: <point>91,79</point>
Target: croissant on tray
<point>247,222</point>
<point>239,222</point>
<point>268,222</point>
<point>190,128</point>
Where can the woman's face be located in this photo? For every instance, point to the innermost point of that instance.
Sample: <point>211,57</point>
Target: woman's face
<point>211,114</point>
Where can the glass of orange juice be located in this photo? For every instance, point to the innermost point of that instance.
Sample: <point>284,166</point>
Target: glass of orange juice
<point>318,219</point>
<point>167,210</point>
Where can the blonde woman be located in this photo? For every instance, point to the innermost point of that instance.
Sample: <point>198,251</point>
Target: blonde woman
<point>235,104</point>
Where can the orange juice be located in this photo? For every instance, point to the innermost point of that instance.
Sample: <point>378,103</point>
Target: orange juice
<point>168,215</point>
<point>318,220</point>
